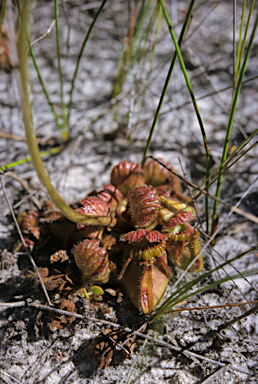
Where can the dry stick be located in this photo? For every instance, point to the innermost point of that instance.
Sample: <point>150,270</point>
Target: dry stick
<point>23,242</point>
<point>211,378</point>
<point>211,307</point>
<point>137,333</point>
<point>141,329</point>
<point>12,305</point>
<point>182,105</point>
<point>130,370</point>
<point>11,137</point>
<point>47,33</point>
<point>232,208</point>
<point>20,202</point>
<point>10,376</point>
<point>39,362</point>
<point>26,186</point>
<point>201,22</point>
<point>25,198</point>
<point>236,319</point>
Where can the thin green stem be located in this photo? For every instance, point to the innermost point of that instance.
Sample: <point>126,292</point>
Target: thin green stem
<point>244,40</point>
<point>215,174</point>
<point>80,56</point>
<point>158,11</point>
<point>179,295</point>
<point>138,52</point>
<point>139,25</point>
<point>52,151</point>
<point>164,90</point>
<point>181,61</point>
<point>210,286</point>
<point>240,36</point>
<point>57,119</point>
<point>42,83</point>
<point>142,52</point>
<point>226,168</point>
<point>65,131</point>
<point>232,115</point>
<point>31,140</point>
<point>234,40</point>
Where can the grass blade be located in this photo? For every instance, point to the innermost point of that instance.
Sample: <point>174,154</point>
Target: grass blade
<point>65,131</point>
<point>181,61</point>
<point>209,286</point>
<point>240,38</point>
<point>51,151</point>
<point>42,83</point>
<point>80,56</point>
<point>241,54</point>
<point>68,212</point>
<point>182,34</point>
<point>181,293</point>
<point>215,174</point>
<point>232,115</point>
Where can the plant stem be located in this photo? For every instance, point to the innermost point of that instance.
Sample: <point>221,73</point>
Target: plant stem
<point>42,83</point>
<point>164,90</point>
<point>240,36</point>
<point>65,131</point>
<point>80,56</point>
<point>31,140</point>
<point>51,151</point>
<point>182,64</point>
<point>231,117</point>
<point>128,42</point>
<point>181,61</point>
<point>241,54</point>
<point>214,175</point>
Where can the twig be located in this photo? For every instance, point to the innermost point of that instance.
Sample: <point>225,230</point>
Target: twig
<point>23,242</point>
<point>201,22</point>
<point>47,33</point>
<point>130,370</point>
<point>137,333</point>
<point>10,136</point>
<point>236,319</point>
<point>211,307</point>
<point>184,104</point>
<point>12,305</point>
<point>20,202</point>
<point>26,186</point>
<point>10,376</point>
<point>215,374</point>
